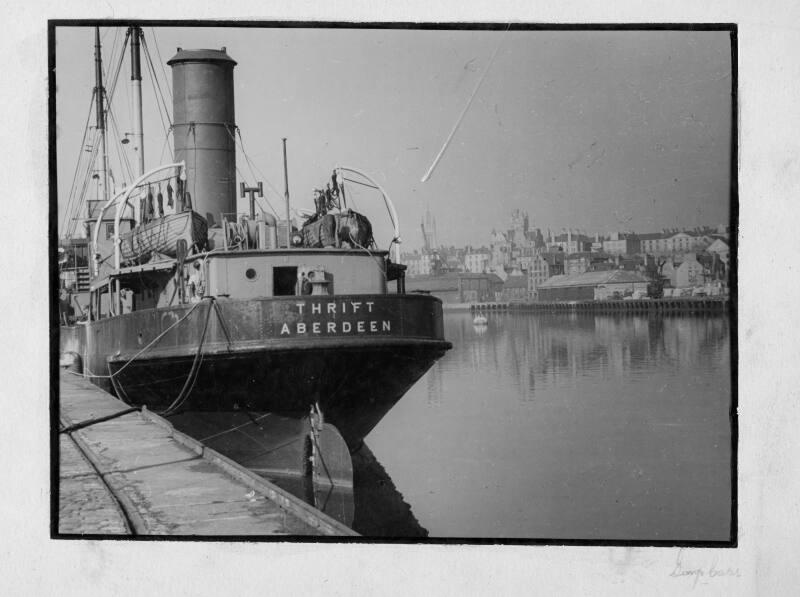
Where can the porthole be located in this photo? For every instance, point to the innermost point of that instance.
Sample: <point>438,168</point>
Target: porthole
<point>250,273</point>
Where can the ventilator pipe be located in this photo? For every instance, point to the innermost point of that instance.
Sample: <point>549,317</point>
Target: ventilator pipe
<point>272,228</point>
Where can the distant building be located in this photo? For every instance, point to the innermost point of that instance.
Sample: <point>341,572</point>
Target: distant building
<point>428,225</point>
<point>721,248</point>
<point>570,243</point>
<point>452,264</point>
<point>668,272</point>
<point>419,264</point>
<point>635,263</point>
<point>597,244</point>
<point>689,273</point>
<point>500,272</point>
<point>477,261</point>
<point>458,287</point>
<point>539,272</point>
<point>664,243</point>
<point>544,266</point>
<point>682,241</point>
<point>500,248</point>
<point>515,288</point>
<point>622,244</point>
<point>593,286</point>
<point>655,243</point>
<point>586,261</point>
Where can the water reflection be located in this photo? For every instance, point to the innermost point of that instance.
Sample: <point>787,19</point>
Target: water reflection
<point>569,426</point>
<point>527,349</point>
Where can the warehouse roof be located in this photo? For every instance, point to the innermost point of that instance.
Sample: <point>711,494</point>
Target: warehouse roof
<point>446,281</point>
<point>593,279</point>
<point>516,282</point>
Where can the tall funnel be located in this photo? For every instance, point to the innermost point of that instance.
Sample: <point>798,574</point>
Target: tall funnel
<point>204,128</point>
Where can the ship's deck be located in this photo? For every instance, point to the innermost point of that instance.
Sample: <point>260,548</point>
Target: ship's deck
<point>136,475</point>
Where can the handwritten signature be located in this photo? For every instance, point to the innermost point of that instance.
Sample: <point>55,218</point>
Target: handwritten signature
<point>701,574</point>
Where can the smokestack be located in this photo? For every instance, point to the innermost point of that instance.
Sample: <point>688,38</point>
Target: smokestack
<point>204,128</point>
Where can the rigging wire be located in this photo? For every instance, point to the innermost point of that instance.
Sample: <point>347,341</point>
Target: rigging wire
<point>114,78</point>
<point>86,180</point>
<point>364,184</point>
<point>351,198</point>
<point>164,146</point>
<point>117,70</point>
<point>79,164</point>
<point>158,104</point>
<point>149,58</point>
<point>161,62</point>
<point>72,188</point>
<point>233,138</point>
<point>261,201</point>
<point>124,155</point>
<point>113,49</point>
<point>251,165</point>
<point>254,165</point>
<point>155,78</point>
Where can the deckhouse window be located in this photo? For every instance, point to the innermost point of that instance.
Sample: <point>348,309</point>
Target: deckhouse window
<point>284,281</point>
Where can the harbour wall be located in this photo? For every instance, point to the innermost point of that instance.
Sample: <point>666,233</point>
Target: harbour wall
<point>665,305</point>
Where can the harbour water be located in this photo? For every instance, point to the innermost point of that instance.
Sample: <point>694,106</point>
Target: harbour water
<point>573,426</point>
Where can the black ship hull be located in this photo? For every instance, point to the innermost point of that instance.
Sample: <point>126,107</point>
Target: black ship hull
<point>252,358</point>
<point>354,387</point>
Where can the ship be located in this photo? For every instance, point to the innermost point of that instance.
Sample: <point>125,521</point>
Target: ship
<point>192,306</point>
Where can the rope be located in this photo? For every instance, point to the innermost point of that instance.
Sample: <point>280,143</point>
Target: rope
<point>367,250</point>
<point>188,386</point>
<point>222,323</point>
<point>153,342</point>
<point>89,422</point>
<point>193,372</point>
<point>232,429</point>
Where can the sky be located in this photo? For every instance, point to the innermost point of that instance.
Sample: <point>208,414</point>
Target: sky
<point>600,131</point>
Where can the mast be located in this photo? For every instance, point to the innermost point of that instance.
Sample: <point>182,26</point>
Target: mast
<point>136,82</point>
<point>286,194</point>
<point>99,93</point>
